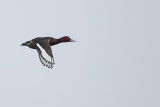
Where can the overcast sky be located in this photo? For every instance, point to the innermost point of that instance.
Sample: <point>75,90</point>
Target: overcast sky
<point>114,63</point>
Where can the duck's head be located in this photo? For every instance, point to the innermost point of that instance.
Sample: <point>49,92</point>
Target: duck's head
<point>66,39</point>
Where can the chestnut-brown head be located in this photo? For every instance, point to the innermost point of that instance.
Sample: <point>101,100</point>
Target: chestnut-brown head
<point>66,39</point>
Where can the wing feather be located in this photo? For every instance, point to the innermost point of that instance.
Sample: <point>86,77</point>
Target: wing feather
<point>45,45</point>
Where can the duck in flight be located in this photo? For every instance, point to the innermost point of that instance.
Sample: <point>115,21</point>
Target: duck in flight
<point>45,43</point>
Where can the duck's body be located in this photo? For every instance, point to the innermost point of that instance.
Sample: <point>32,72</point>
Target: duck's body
<point>45,43</point>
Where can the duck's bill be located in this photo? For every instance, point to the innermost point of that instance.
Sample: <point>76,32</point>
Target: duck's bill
<point>71,40</point>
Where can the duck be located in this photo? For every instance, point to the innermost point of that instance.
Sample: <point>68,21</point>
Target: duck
<point>45,43</point>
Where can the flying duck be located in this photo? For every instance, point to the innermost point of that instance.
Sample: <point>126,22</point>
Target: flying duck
<point>45,43</point>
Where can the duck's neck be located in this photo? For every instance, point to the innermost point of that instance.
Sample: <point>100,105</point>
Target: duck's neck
<point>54,41</point>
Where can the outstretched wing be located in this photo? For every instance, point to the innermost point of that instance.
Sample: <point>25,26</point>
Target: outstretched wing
<point>44,44</point>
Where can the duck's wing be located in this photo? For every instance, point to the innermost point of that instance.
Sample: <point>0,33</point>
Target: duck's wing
<point>43,44</point>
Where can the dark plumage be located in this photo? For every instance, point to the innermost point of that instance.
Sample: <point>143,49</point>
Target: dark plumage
<point>46,43</point>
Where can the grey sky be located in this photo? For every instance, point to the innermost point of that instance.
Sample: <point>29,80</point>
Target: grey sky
<point>114,63</point>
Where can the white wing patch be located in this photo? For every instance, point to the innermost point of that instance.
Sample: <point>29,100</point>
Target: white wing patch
<point>45,59</point>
